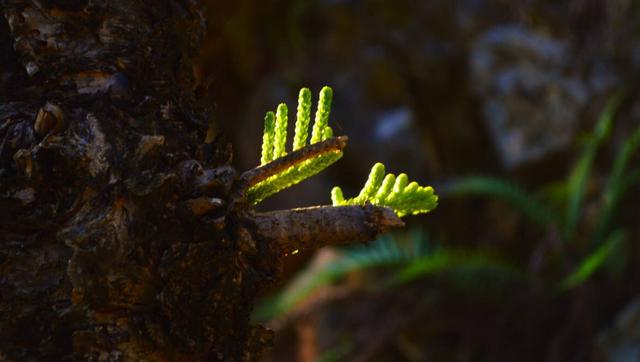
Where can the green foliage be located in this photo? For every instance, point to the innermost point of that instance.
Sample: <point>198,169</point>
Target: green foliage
<point>578,179</point>
<point>280,140</point>
<point>594,261</point>
<point>444,259</point>
<point>604,241</point>
<point>274,144</point>
<point>268,138</point>
<point>383,252</point>
<point>403,197</point>
<point>407,262</point>
<point>292,176</point>
<point>303,117</point>
<point>524,202</point>
<point>275,126</point>
<point>336,353</point>
<point>322,114</point>
<point>394,192</point>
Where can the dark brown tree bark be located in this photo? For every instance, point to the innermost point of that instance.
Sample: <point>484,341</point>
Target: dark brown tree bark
<point>124,233</point>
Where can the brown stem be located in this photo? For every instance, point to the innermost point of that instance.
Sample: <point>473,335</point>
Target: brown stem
<point>255,175</point>
<point>321,225</point>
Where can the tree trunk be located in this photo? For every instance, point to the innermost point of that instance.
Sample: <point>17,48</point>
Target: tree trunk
<point>124,233</point>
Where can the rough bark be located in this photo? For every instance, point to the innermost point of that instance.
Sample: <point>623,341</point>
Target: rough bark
<point>124,234</point>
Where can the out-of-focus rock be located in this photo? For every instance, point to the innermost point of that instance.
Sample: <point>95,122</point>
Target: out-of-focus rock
<point>531,103</point>
<point>397,139</point>
<point>621,342</point>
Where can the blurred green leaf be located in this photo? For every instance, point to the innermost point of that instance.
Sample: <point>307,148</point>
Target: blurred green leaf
<point>410,261</point>
<point>577,181</point>
<point>617,184</point>
<point>594,261</point>
<point>385,251</point>
<point>442,259</point>
<point>524,202</point>
<point>336,353</point>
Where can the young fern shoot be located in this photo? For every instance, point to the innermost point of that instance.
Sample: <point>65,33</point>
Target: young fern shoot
<point>397,193</point>
<point>279,170</point>
<point>274,142</point>
<point>377,208</point>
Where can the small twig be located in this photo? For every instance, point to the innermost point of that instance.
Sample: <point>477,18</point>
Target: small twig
<point>312,227</point>
<point>255,175</point>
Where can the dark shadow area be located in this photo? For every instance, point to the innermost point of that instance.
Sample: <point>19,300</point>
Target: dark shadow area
<point>522,115</point>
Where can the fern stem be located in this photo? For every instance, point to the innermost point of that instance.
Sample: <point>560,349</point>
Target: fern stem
<point>258,174</point>
<point>293,175</point>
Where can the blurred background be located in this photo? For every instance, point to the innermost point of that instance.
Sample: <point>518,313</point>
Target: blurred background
<point>525,118</point>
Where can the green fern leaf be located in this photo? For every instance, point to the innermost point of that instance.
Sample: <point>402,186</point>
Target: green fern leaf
<point>274,144</point>
<point>382,252</point>
<point>385,189</point>
<point>280,140</point>
<point>268,137</point>
<point>327,133</point>
<point>403,197</point>
<point>409,260</point>
<point>337,198</point>
<point>322,114</point>
<point>372,185</point>
<point>395,192</point>
<point>291,176</point>
<point>303,118</point>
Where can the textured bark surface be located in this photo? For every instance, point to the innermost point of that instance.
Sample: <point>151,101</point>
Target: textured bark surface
<point>123,230</point>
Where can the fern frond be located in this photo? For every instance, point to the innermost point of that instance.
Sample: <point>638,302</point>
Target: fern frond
<point>322,114</point>
<point>291,176</point>
<point>275,138</point>
<point>385,189</point>
<point>337,198</point>
<point>522,201</point>
<point>446,259</point>
<point>372,185</point>
<point>408,260</point>
<point>390,191</point>
<point>385,251</point>
<point>268,137</point>
<point>327,133</point>
<point>303,118</point>
<point>280,140</point>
